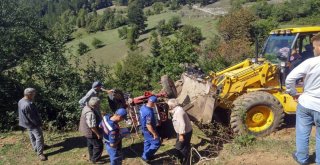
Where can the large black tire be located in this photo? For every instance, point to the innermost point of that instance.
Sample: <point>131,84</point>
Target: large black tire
<point>258,113</point>
<point>169,87</point>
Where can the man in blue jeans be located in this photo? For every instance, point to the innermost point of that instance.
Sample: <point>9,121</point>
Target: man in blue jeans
<point>308,110</point>
<point>148,126</point>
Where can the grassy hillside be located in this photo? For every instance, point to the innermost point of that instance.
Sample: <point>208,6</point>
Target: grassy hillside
<point>115,48</point>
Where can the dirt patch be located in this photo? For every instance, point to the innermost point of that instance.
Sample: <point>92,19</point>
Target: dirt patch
<point>261,158</point>
<point>7,140</point>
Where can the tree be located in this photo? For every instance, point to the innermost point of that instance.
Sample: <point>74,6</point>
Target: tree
<point>31,56</point>
<point>96,43</point>
<point>155,45</point>
<point>157,7</point>
<point>237,24</point>
<point>132,35</point>
<point>122,32</point>
<point>173,53</point>
<point>174,22</point>
<point>136,16</point>
<point>133,74</point>
<point>83,48</point>
<point>64,27</point>
<point>163,28</point>
<point>191,34</point>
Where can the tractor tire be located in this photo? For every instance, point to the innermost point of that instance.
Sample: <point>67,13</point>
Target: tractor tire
<point>169,87</point>
<point>257,113</point>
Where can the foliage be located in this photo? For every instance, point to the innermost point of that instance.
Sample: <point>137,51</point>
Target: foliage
<point>155,45</point>
<point>174,22</point>
<point>123,32</point>
<point>191,34</point>
<point>244,140</point>
<point>157,7</point>
<point>35,58</point>
<point>96,43</point>
<point>163,28</point>
<point>133,74</point>
<point>237,24</point>
<point>173,54</point>
<point>64,27</point>
<point>136,16</point>
<point>132,35</point>
<point>83,48</point>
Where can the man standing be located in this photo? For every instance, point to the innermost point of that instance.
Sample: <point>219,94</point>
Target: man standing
<point>183,128</point>
<point>89,127</point>
<point>308,109</point>
<point>148,126</point>
<point>29,118</point>
<point>93,92</point>
<point>112,135</point>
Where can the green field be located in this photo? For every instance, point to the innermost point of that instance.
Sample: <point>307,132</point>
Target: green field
<point>115,49</point>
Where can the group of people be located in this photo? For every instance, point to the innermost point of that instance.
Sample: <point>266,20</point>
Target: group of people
<point>100,130</point>
<point>96,128</point>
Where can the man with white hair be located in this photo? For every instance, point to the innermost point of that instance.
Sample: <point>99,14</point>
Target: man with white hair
<point>29,118</point>
<point>183,128</point>
<point>89,127</point>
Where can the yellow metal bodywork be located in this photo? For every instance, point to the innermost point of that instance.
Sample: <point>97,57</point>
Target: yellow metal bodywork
<point>298,29</point>
<point>249,77</point>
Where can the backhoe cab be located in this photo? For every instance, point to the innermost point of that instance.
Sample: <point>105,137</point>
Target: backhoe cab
<point>253,90</point>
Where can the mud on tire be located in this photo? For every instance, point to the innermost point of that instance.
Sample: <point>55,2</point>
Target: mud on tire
<point>249,107</point>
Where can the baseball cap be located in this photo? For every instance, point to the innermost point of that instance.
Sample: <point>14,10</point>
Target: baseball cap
<point>153,99</point>
<point>96,84</point>
<point>122,112</point>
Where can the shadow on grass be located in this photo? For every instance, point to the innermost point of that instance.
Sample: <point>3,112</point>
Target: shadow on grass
<point>289,121</point>
<point>69,144</point>
<point>148,30</point>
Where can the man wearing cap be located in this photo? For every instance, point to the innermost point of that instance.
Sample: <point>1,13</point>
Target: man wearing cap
<point>29,118</point>
<point>148,126</point>
<point>112,135</point>
<point>93,92</point>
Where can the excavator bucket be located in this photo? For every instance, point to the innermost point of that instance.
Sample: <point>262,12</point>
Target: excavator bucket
<point>195,97</point>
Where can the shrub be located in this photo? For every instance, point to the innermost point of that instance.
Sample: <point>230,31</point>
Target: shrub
<point>96,43</point>
<point>83,48</point>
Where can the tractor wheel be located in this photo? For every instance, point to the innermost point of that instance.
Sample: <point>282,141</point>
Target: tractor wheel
<point>258,113</point>
<point>169,87</point>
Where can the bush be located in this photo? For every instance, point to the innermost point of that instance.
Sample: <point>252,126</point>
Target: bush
<point>83,48</point>
<point>122,32</point>
<point>174,22</point>
<point>96,43</point>
<point>157,7</point>
<point>191,34</point>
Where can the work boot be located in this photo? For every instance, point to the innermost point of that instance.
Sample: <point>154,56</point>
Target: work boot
<point>42,157</point>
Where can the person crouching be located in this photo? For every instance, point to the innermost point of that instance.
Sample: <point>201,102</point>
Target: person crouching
<point>183,128</point>
<point>112,136</point>
<point>89,127</point>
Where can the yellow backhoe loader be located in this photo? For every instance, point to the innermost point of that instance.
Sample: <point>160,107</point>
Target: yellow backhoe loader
<point>254,89</point>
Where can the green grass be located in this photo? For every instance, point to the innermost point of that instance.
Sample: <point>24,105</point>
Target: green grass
<point>70,148</point>
<point>115,49</point>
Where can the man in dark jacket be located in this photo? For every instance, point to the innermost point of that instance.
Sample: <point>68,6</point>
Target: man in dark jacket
<point>89,127</point>
<point>29,118</point>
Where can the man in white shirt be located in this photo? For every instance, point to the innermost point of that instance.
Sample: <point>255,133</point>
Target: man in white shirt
<point>183,128</point>
<point>308,110</point>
